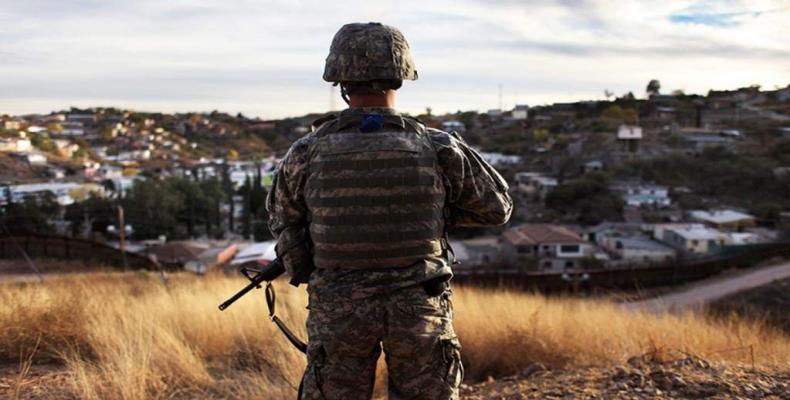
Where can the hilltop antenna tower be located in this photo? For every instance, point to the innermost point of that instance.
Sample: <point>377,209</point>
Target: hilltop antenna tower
<point>500,97</point>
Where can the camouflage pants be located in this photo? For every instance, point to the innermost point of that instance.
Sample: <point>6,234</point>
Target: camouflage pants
<point>415,331</point>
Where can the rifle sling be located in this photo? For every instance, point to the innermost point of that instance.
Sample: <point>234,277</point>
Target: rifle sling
<point>270,302</point>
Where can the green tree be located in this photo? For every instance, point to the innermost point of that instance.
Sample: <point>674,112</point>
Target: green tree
<point>653,87</point>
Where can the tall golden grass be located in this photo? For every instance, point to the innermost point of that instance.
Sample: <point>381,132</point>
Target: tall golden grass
<point>129,337</point>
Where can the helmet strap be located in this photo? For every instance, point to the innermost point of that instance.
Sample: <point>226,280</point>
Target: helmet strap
<point>344,94</point>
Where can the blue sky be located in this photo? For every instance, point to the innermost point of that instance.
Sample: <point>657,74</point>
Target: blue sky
<point>265,58</point>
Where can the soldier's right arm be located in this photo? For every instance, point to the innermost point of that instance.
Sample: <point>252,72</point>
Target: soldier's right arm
<point>288,213</point>
<point>477,194</point>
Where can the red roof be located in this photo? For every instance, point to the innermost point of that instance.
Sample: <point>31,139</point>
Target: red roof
<point>537,234</point>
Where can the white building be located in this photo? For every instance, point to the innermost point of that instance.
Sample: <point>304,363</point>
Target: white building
<point>61,191</point>
<point>535,183</point>
<point>638,195</point>
<point>723,219</point>
<point>453,125</point>
<point>499,159</point>
<point>696,239</point>
<point>638,250</point>
<point>629,132</point>
<point>521,112</point>
<point>21,144</point>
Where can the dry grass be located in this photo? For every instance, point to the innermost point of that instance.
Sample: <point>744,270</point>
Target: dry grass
<point>127,337</point>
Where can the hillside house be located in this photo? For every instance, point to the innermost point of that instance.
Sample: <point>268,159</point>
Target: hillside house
<point>65,147</point>
<point>637,250</point>
<point>60,191</point>
<point>544,247</point>
<point>520,112</point>
<point>453,125</point>
<point>696,239</point>
<point>724,219</point>
<point>12,124</point>
<point>643,195</point>
<point>629,136</point>
<point>535,183</point>
<point>21,144</point>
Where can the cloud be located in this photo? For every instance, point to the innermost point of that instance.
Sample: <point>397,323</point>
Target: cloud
<point>266,57</point>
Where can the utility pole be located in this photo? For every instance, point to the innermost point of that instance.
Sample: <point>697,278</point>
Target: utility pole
<point>122,237</point>
<point>500,97</point>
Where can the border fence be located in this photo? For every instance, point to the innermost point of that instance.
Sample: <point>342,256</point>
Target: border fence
<point>38,245</point>
<point>735,257</point>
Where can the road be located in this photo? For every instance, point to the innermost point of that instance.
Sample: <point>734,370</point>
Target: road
<point>712,290</point>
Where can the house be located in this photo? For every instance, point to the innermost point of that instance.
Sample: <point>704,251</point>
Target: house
<point>696,239</point>
<point>637,250</point>
<point>629,137</point>
<point>592,166</point>
<point>453,125</point>
<point>494,113</point>
<point>477,252</point>
<point>60,191</point>
<point>724,219</point>
<point>65,147</point>
<point>33,158</point>
<point>639,195</point>
<point>21,144</point>
<point>520,112</point>
<point>544,247</point>
<point>531,183</point>
<point>254,255</point>
<point>72,129</point>
<point>12,124</point>
<point>210,259</point>
<point>499,159</point>
<point>629,132</point>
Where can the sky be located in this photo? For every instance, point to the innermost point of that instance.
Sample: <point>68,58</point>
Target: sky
<point>265,58</point>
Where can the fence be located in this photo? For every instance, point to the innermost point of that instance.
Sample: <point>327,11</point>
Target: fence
<point>63,247</point>
<point>627,278</point>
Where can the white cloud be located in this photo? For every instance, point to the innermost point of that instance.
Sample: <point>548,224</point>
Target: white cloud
<point>266,58</point>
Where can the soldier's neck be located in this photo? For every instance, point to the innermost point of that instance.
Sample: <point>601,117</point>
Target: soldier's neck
<point>386,100</point>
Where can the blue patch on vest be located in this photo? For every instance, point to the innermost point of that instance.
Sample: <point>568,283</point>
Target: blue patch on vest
<point>371,122</point>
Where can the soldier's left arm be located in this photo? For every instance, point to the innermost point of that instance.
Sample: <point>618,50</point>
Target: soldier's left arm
<point>477,194</point>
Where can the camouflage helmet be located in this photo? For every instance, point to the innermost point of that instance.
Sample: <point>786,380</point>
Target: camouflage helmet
<point>367,52</point>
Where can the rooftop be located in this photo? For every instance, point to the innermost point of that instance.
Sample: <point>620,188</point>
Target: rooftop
<point>532,234</point>
<point>720,216</point>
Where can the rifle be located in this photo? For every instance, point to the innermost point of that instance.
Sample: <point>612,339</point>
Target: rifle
<point>257,277</point>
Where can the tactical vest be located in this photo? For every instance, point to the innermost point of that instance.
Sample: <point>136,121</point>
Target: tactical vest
<point>375,198</point>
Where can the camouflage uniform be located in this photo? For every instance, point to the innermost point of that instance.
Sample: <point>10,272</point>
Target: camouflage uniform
<point>375,299</point>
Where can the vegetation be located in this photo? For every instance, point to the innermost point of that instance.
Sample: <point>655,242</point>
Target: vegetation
<point>130,337</point>
<point>588,198</point>
<point>739,180</point>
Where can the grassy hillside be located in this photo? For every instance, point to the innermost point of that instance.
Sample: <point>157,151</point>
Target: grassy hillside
<point>129,337</point>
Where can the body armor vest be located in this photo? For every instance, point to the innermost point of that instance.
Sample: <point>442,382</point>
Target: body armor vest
<point>375,198</point>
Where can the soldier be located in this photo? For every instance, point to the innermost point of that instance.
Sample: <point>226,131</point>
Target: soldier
<point>360,208</point>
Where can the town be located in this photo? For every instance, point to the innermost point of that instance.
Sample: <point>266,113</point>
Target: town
<point>627,182</point>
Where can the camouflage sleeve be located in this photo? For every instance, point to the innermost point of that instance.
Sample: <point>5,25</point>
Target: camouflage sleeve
<point>477,194</point>
<point>288,212</point>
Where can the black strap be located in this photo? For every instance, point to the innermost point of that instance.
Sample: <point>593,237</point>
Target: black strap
<point>270,302</point>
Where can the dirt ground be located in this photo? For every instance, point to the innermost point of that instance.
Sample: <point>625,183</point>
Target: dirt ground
<point>640,378</point>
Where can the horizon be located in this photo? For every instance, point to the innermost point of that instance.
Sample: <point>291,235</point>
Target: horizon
<point>265,60</point>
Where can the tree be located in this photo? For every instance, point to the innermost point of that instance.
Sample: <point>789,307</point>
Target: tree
<point>587,197</point>
<point>653,87</point>
<point>616,115</point>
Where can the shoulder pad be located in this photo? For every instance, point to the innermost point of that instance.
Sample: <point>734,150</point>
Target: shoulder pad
<point>415,123</point>
<point>323,120</point>
<point>443,136</point>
